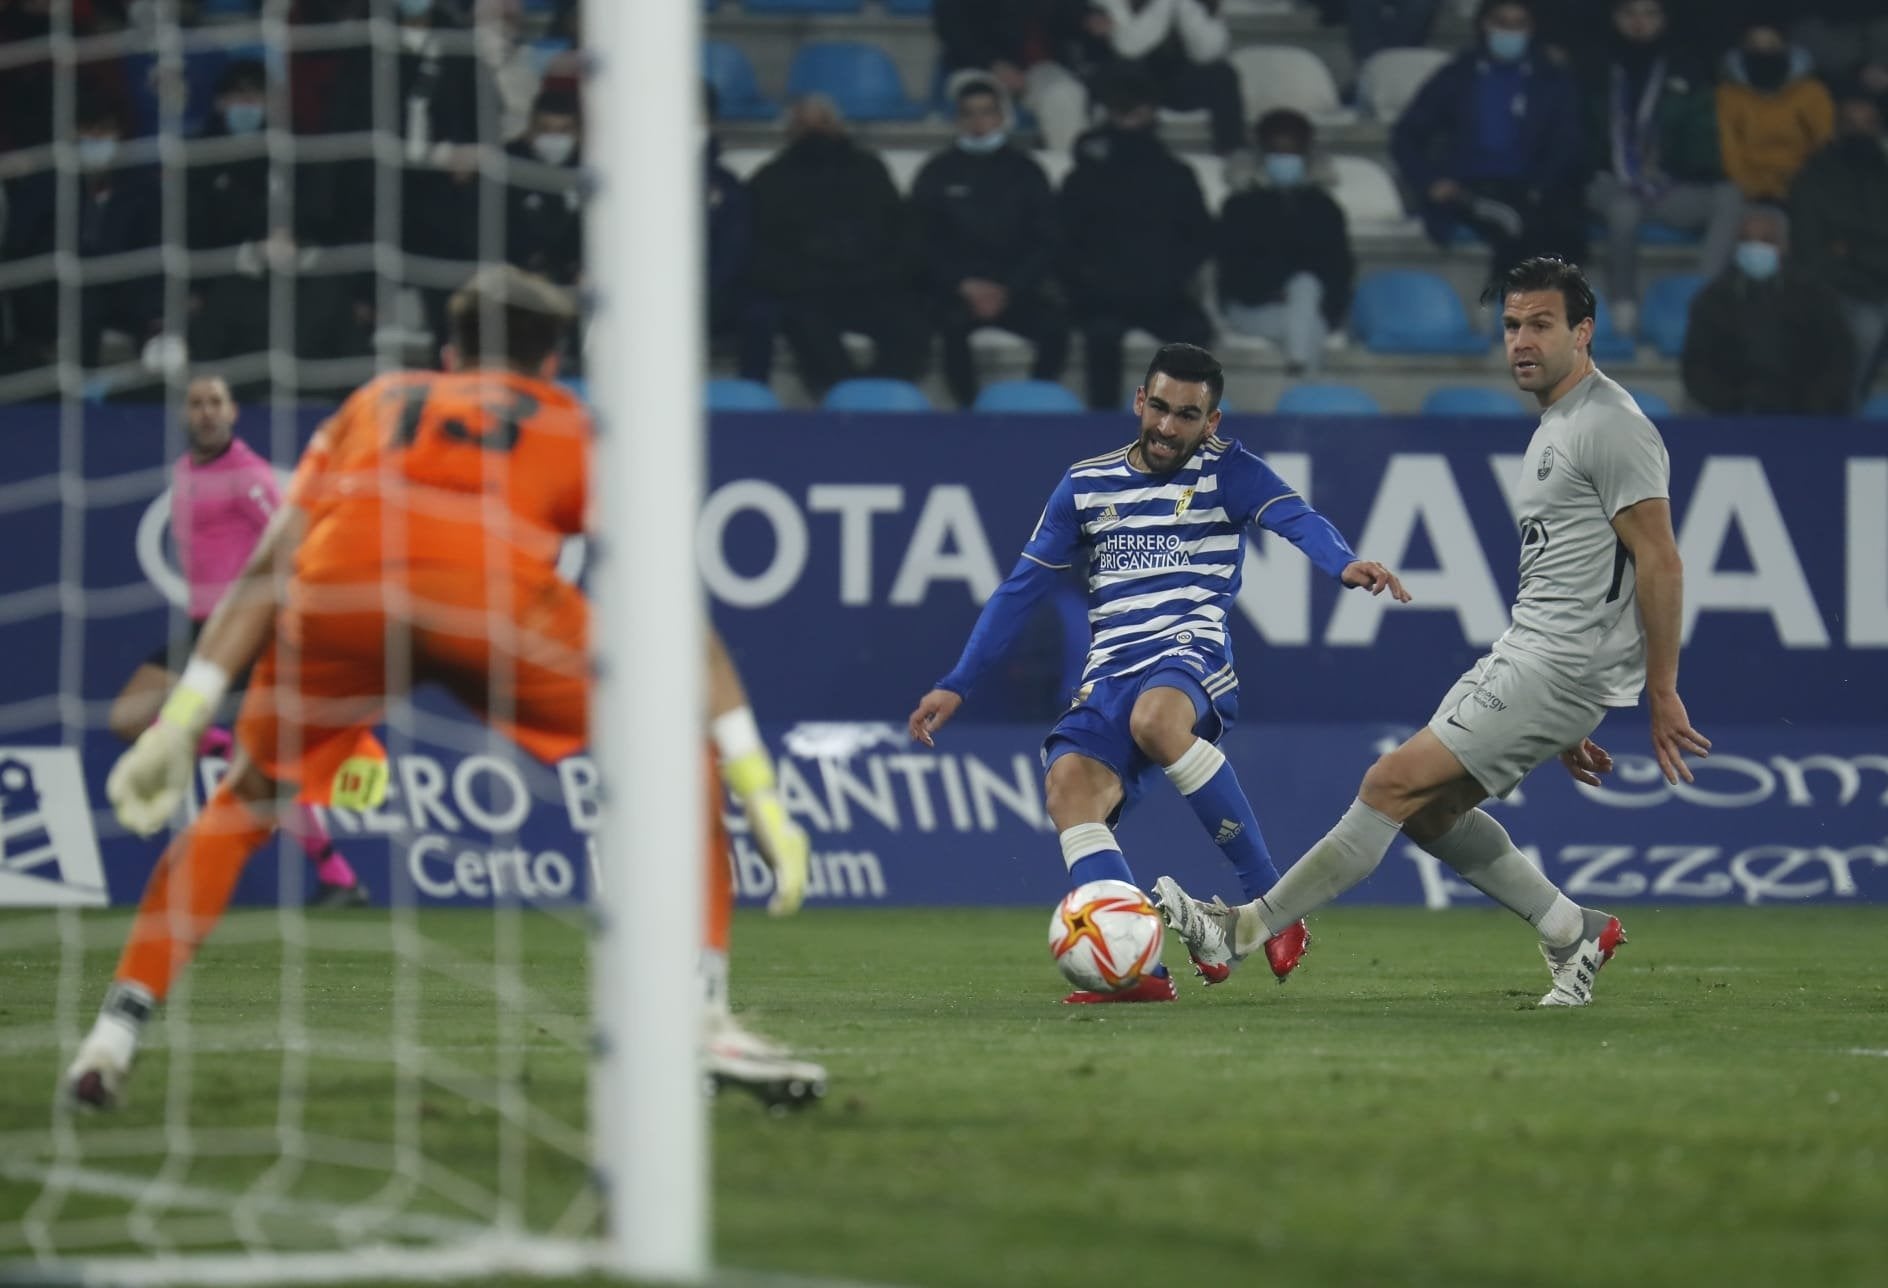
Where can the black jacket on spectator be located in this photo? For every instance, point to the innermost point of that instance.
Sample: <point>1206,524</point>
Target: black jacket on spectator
<point>989,215</point>
<point>1839,218</point>
<point>730,231</point>
<point>980,33</point>
<point>828,218</point>
<point>228,201</point>
<point>436,102</point>
<point>1268,234</point>
<point>118,211</point>
<point>1135,227</point>
<point>1779,347</point>
<point>543,215</point>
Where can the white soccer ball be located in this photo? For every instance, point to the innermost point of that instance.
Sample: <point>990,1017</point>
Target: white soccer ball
<point>1105,935</point>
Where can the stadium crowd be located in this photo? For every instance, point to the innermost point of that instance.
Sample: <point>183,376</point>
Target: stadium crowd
<point>1750,132</point>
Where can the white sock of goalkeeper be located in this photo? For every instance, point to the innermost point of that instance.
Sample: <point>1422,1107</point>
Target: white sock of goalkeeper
<point>714,981</point>
<point>1348,853</point>
<point>1479,848</point>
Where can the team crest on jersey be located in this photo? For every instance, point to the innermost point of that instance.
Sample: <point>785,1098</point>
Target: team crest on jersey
<point>1181,506</point>
<point>1546,466</point>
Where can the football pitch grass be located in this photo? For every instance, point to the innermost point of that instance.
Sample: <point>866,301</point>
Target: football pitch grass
<point>1400,1113</point>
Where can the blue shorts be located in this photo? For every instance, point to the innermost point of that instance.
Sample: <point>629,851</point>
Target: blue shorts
<point>1096,725</point>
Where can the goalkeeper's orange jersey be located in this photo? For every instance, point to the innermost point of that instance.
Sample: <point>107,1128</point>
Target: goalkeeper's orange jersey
<point>486,468</point>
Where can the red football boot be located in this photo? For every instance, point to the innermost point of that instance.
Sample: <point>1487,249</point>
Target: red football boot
<point>1149,988</point>
<point>1283,951</point>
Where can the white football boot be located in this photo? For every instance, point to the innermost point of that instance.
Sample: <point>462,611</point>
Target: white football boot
<point>734,1056</point>
<point>1205,928</point>
<point>1576,966</point>
<point>97,1075</point>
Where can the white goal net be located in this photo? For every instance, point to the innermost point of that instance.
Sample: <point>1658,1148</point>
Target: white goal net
<point>425,1039</point>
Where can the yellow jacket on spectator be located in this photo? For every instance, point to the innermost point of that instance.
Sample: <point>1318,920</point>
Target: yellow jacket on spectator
<point>1766,136</point>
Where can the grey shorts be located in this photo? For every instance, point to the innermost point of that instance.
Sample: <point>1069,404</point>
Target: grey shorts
<point>1502,719</point>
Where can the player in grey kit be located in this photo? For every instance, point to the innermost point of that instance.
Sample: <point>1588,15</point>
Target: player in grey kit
<point>1595,622</point>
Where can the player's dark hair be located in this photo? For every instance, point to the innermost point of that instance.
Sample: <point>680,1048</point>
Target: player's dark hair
<point>242,74</point>
<point>1546,273</point>
<point>1192,364</point>
<point>532,315</point>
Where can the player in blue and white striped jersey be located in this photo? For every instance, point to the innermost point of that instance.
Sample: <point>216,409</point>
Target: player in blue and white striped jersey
<point>1158,530</point>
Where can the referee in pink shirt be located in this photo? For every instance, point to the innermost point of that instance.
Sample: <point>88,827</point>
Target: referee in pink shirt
<point>222,497</point>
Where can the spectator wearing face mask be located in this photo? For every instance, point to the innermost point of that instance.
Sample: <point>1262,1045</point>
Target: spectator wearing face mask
<point>543,208</point>
<point>1493,141</point>
<point>1840,210</point>
<point>118,212</point>
<point>1285,265</point>
<point>1764,338</point>
<point>986,224</point>
<point>232,205</point>
<point>1773,112</point>
<point>1652,125</point>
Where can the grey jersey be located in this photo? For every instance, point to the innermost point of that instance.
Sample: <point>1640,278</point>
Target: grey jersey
<point>1594,455</point>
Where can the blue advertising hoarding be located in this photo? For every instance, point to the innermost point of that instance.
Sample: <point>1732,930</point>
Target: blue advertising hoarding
<point>846,558</point>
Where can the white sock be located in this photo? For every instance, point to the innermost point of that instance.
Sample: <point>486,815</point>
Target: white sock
<point>1197,764</point>
<point>1562,923</point>
<point>1084,839</point>
<point>714,981</point>
<point>1479,848</point>
<point>1348,853</point>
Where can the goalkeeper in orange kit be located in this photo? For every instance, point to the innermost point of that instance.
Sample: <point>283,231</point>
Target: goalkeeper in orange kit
<point>417,544</point>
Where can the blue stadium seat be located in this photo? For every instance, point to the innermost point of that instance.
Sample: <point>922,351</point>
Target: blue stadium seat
<point>1408,310</point>
<point>228,8</point>
<point>1876,408</point>
<point>737,92</point>
<point>727,394</point>
<point>1650,403</point>
<point>913,8</point>
<point>1666,312</point>
<point>875,394</point>
<point>1470,400</point>
<point>802,6</point>
<point>1328,400</point>
<point>1608,344</point>
<point>861,78</point>
<point>1654,233</point>
<point>1026,396</point>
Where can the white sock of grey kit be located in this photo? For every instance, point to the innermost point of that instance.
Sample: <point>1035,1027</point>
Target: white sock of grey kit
<point>1480,849</point>
<point>1348,853</point>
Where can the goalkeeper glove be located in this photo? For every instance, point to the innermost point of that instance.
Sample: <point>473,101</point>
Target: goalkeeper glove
<point>148,783</point>
<point>750,775</point>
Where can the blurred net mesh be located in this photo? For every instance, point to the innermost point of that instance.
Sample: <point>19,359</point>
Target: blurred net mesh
<point>330,1083</point>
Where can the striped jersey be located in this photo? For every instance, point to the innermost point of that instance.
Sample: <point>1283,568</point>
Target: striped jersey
<point>1163,554</point>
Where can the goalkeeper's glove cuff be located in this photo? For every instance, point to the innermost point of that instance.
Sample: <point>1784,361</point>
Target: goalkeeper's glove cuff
<point>745,764</point>
<point>194,701</point>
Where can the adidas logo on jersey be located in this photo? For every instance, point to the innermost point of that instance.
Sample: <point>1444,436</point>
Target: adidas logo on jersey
<point>1229,830</point>
<point>48,851</point>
